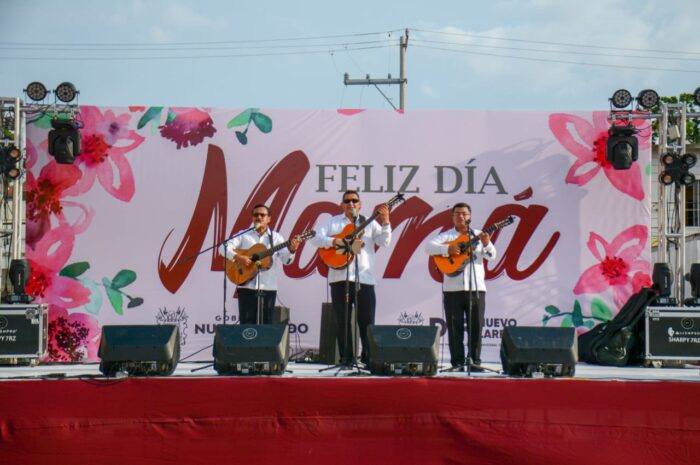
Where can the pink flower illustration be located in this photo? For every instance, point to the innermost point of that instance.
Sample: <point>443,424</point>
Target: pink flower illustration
<point>619,267</point>
<point>45,196</point>
<point>103,152</point>
<point>46,259</point>
<point>190,126</point>
<point>73,337</point>
<point>588,143</point>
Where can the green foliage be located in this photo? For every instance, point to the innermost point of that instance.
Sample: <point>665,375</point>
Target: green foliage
<point>692,125</point>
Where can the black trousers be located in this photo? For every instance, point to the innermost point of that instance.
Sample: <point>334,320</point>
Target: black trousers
<point>457,305</point>
<point>248,306</point>
<point>365,305</point>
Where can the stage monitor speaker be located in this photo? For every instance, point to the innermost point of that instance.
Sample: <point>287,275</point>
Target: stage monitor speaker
<point>251,349</point>
<point>403,350</point>
<point>539,351</point>
<point>144,350</point>
<point>328,344</point>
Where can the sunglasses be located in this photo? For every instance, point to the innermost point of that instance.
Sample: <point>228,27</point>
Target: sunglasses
<point>259,214</point>
<point>351,200</point>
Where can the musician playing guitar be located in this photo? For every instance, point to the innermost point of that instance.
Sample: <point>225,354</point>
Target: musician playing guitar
<point>362,244</point>
<point>247,292</point>
<point>464,292</point>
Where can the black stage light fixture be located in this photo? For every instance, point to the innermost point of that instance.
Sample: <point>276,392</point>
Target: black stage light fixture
<point>142,350</point>
<point>622,147</point>
<point>36,91</point>
<point>534,351</point>
<point>696,96</point>
<point>64,141</point>
<point>662,279</point>
<point>403,350</point>
<point>647,99</point>
<point>66,92</point>
<point>18,273</point>
<point>676,169</point>
<point>694,279</point>
<point>9,160</point>
<point>621,98</point>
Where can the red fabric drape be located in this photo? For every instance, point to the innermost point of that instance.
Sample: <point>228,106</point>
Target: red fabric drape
<point>339,421</point>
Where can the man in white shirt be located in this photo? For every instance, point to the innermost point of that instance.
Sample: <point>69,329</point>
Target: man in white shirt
<point>464,293</point>
<point>376,233</point>
<point>265,280</point>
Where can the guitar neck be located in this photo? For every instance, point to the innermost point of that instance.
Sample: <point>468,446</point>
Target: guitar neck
<point>364,224</point>
<point>476,239</point>
<point>274,249</point>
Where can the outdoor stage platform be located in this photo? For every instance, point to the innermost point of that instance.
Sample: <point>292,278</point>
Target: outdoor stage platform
<point>68,414</point>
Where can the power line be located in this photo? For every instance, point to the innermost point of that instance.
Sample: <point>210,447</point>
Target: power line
<point>245,47</point>
<point>167,44</point>
<point>560,52</point>
<point>546,60</point>
<point>566,44</point>
<point>191,57</point>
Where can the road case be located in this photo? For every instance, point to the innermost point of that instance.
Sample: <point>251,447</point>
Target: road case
<point>672,333</point>
<point>23,332</point>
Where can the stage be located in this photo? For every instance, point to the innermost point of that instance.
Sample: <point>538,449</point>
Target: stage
<point>68,414</point>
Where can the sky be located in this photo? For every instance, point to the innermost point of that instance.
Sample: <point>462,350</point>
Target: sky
<point>495,55</point>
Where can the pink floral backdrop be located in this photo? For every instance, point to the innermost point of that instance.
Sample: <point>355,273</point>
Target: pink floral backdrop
<point>112,238</point>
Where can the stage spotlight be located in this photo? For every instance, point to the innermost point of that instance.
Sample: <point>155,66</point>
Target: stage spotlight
<point>689,160</point>
<point>18,273</point>
<point>622,147</point>
<point>696,96</point>
<point>36,91</point>
<point>648,99</point>
<point>621,98</point>
<point>64,141</point>
<point>662,280</point>
<point>9,158</point>
<point>66,92</point>
<point>676,169</point>
<point>694,279</point>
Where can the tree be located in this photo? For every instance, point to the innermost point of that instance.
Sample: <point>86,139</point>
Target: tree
<point>692,125</point>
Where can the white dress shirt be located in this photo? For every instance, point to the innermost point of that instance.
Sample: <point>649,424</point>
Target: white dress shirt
<point>373,234</point>
<point>268,278</point>
<point>464,280</point>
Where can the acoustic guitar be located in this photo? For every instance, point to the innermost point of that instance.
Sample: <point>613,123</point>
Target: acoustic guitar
<point>453,265</point>
<point>338,257</point>
<point>261,259</point>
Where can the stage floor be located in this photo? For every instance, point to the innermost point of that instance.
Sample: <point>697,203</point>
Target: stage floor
<point>312,370</point>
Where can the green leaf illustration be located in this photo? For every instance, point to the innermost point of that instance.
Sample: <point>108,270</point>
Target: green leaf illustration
<point>171,117</point>
<point>577,314</point>
<point>95,303</point>
<point>242,118</point>
<point>263,122</point>
<point>552,310</point>
<point>44,122</point>
<point>123,279</point>
<point>600,310</point>
<point>151,113</point>
<point>74,269</point>
<point>115,297</point>
<point>567,321</point>
<point>134,302</point>
<point>242,138</point>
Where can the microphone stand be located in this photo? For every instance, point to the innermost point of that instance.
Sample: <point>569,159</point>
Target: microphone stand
<point>224,243</point>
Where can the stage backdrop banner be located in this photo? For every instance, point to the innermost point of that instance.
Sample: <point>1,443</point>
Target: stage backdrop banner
<point>114,237</point>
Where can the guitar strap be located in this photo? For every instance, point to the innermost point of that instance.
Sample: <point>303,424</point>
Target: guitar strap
<point>272,244</point>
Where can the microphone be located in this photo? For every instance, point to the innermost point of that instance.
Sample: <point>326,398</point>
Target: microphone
<point>467,222</point>
<point>353,212</point>
<point>257,225</point>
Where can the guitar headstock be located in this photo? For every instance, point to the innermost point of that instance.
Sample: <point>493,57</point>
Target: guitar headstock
<point>306,235</point>
<point>509,220</point>
<point>395,200</point>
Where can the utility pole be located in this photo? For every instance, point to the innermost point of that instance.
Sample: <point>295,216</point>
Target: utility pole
<point>403,43</point>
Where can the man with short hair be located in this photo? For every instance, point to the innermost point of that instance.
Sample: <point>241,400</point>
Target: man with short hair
<point>265,280</point>
<point>376,233</point>
<point>464,293</point>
